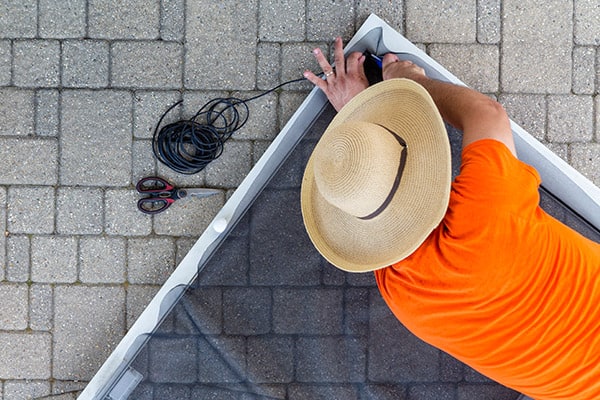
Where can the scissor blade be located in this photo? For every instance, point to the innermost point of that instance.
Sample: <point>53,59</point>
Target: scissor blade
<point>202,192</point>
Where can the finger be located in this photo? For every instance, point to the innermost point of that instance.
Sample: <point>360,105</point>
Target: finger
<point>354,63</point>
<point>323,63</point>
<point>315,80</point>
<point>338,56</point>
<point>389,58</point>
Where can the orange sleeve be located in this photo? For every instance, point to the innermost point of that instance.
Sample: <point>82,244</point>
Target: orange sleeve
<point>491,181</point>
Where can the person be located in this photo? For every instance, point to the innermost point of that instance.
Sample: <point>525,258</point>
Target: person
<point>472,266</point>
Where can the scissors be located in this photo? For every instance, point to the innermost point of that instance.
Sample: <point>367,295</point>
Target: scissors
<point>162,194</point>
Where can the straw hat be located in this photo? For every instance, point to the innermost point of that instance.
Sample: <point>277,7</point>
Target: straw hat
<point>378,181</point>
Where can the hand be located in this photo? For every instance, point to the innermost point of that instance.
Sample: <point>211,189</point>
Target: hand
<point>346,81</point>
<point>393,67</point>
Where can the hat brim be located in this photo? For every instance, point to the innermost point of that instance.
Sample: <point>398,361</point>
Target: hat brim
<point>358,245</point>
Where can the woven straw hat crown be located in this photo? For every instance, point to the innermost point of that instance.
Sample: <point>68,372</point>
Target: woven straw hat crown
<point>378,181</point>
<point>355,167</point>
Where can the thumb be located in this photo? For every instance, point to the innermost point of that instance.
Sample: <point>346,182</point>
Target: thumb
<point>389,58</point>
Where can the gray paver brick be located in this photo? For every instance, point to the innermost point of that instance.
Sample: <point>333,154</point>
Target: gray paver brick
<point>295,59</point>
<point>584,157</point>
<point>383,392</point>
<point>36,63</point>
<point>288,104</point>
<point>16,112</point>
<point>489,21</point>
<point>322,315</point>
<point>359,279</point>
<point>322,392</point>
<point>215,64</point>
<point>527,110</point>
<point>150,260</point>
<point>271,359</point>
<point>85,63</point>
<point>63,387</point>
<point>587,15</point>
<point>18,18</point>
<point>268,58</point>
<point>203,312</point>
<point>240,303</point>
<point>81,344</point>
<point>172,391</point>
<point>17,258</point>
<point>267,256</point>
<point>102,260</point>
<point>231,267</point>
<point>214,360</point>
<point>262,120</point>
<point>5,62</point>
<point>547,77</point>
<point>543,39</point>
<point>127,19</point>
<point>451,370</point>
<point>476,65</point>
<point>230,169</point>
<point>121,216</point>
<point>328,19</point>
<point>331,359</point>
<point>597,107</point>
<point>26,390</point>
<point>25,355</point>
<point>96,138</point>
<point>3,237</point>
<point>356,310</point>
<point>473,376</point>
<point>560,149</point>
<point>143,161</point>
<point>258,149</point>
<point>584,59</point>
<point>53,259</point>
<point>447,21</point>
<point>427,392</point>
<point>79,210</point>
<point>40,307</point>
<point>148,107</point>
<point>30,209</point>
<point>390,11</point>
<point>131,66</point>
<point>62,18</point>
<point>566,126</point>
<point>47,103</point>
<point>14,310</point>
<point>182,354</point>
<point>415,361</point>
<point>488,392</point>
<point>183,246</point>
<point>172,24</point>
<point>281,20</point>
<point>138,297</point>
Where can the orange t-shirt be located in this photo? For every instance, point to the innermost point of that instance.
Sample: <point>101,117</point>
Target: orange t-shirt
<point>503,286</point>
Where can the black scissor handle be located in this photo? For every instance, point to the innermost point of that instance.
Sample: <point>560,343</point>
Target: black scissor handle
<point>153,184</point>
<point>154,205</point>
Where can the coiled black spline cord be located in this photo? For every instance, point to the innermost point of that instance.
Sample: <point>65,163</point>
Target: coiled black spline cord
<point>188,146</point>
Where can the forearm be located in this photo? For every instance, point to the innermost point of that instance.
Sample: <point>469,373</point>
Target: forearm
<point>458,105</point>
<point>475,114</point>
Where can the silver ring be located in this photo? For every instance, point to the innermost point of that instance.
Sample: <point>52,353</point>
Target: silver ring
<point>328,73</point>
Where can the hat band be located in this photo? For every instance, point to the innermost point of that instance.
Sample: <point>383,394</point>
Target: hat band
<point>401,165</point>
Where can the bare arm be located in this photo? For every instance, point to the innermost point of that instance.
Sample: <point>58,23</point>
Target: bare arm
<point>475,114</point>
